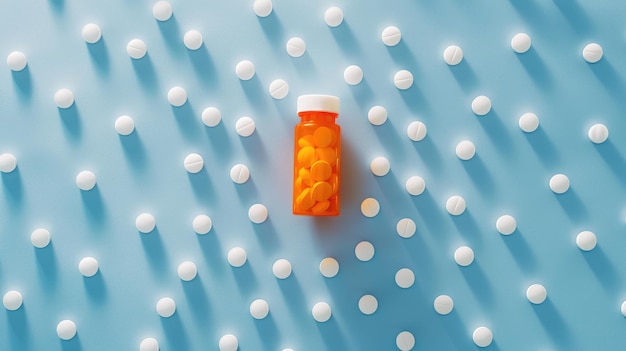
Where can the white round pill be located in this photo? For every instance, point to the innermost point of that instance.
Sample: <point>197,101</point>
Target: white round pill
<point>245,70</point>
<point>370,207</point>
<point>403,79</point>
<point>405,341</point>
<point>257,213</point>
<point>329,267</point>
<point>364,251</point>
<point>443,304</point>
<point>239,173</point>
<point>8,162</point>
<point>465,150</point>
<point>17,61</point>
<point>482,337</point>
<point>136,49</point>
<point>86,180</point>
<point>262,8</point>
<point>405,278</point>
<point>12,300</point>
<point>193,163</point>
<point>40,238</point>
<point>202,224</point>
<point>368,304</point>
<point>333,16</point>
<point>536,294</point>
<point>481,105</point>
<point>321,312</point>
<point>377,115</point>
<point>278,89</point>
<point>177,96</point>
<point>624,308</point>
<point>296,47</point>
<point>559,183</point>
<point>166,307</point>
<point>520,43</point>
<point>245,126</point>
<point>391,36</point>
<point>415,185</point>
<point>91,33</point>
<point>66,329</point>
<point>586,240</point>
<point>211,116</point>
<point>455,205</point>
<point>281,268</point>
<point>145,223</point>
<point>149,344</point>
<point>529,122</point>
<point>259,309</point>
<point>162,11</point>
<point>237,257</point>
<point>380,166</point>
<point>453,55</point>
<point>464,256</point>
<point>228,342</point>
<point>406,227</point>
<point>64,98</point>
<point>193,39</point>
<point>592,53</point>
<point>124,125</point>
<point>416,131</point>
<point>353,75</point>
<point>88,266</point>
<point>506,224</point>
<point>598,133</point>
<point>187,271</point>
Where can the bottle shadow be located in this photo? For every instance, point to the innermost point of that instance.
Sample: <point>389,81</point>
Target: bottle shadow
<point>72,125</point>
<point>100,56</point>
<point>134,151</point>
<point>146,74</point>
<point>13,188</point>
<point>23,83</point>
<point>536,68</point>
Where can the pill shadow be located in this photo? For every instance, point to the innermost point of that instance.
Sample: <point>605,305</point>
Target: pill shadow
<point>186,121</point>
<point>175,332</point>
<point>246,279</point>
<point>47,266</point>
<point>247,191</point>
<point>475,168</point>
<point>96,289</point>
<point>536,68</point>
<point>72,125</point>
<point>428,151</point>
<point>202,186</point>
<point>555,325</point>
<point>393,191</point>
<point>134,151</point>
<point>390,138</point>
<point>268,332</point>
<point>496,131</point>
<point>362,92</point>
<point>73,344</point>
<point>603,269</point>
<point>203,66</point>
<point>346,40</point>
<point>414,99</point>
<point>572,205</point>
<point>254,148</point>
<point>171,34</point>
<point>273,29</point>
<point>198,300</point>
<point>479,283</point>
<point>294,295</point>
<point>212,251</point>
<point>220,141</point>
<point>456,328</point>
<point>530,11</point>
<point>575,15</point>
<point>57,5</point>
<point>304,65</point>
<point>613,158</point>
<point>332,335</point>
<point>430,212</point>
<point>23,83</point>
<point>402,54</point>
<point>610,78</point>
<point>146,74</point>
<point>19,330</point>
<point>465,75</point>
<point>266,235</point>
<point>468,227</point>
<point>100,56</point>
<point>94,208</point>
<point>520,250</point>
<point>154,251</point>
<point>255,93</point>
<point>13,188</point>
<point>543,146</point>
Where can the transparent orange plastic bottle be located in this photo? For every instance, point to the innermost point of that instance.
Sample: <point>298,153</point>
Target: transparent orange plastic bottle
<point>317,156</point>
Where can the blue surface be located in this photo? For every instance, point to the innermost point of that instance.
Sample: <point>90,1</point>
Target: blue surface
<point>143,172</point>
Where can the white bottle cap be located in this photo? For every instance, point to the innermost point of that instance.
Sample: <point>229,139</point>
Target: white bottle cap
<point>326,103</point>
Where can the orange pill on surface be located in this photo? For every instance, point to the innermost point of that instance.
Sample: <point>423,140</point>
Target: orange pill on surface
<point>306,140</point>
<point>321,170</point>
<point>304,201</point>
<point>306,156</point>
<point>305,175</point>
<point>320,206</point>
<point>322,137</point>
<point>327,154</point>
<point>321,191</point>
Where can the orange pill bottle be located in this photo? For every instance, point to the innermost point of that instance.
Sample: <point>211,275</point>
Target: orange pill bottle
<point>317,155</point>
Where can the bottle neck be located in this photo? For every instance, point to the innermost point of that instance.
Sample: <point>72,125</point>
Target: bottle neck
<point>317,117</point>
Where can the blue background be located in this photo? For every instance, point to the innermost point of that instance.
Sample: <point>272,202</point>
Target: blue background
<point>143,172</point>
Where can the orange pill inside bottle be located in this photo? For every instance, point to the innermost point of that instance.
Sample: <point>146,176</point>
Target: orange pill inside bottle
<point>317,152</point>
